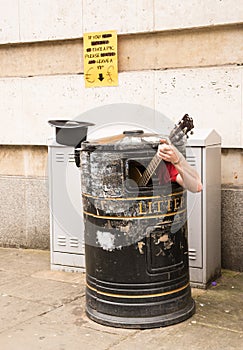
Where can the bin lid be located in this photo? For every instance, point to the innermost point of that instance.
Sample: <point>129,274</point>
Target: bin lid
<point>129,139</point>
<point>69,124</point>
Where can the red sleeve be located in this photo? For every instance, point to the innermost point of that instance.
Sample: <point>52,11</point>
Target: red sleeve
<point>167,173</point>
<point>172,171</point>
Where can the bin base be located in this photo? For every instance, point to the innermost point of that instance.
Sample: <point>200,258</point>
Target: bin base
<point>142,323</point>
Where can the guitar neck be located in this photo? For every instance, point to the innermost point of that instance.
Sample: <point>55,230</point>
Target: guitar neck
<point>182,128</point>
<point>150,170</point>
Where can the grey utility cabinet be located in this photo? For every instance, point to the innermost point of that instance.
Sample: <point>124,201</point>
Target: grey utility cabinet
<point>204,208</point>
<point>66,223</point>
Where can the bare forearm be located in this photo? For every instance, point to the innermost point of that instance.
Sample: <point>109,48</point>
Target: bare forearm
<point>188,176</point>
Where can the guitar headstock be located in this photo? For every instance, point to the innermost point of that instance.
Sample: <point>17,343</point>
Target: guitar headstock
<point>184,126</point>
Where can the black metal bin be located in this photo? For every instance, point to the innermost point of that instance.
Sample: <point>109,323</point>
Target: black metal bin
<point>135,237</point>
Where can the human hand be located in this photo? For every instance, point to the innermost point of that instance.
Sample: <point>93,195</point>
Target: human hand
<point>187,176</point>
<point>168,152</point>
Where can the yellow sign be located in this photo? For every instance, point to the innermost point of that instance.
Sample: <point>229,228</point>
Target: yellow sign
<point>100,59</point>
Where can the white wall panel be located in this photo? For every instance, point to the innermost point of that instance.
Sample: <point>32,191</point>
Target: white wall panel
<point>125,16</point>
<point>48,20</point>
<point>33,20</point>
<point>175,14</point>
<point>131,103</point>
<point>9,21</point>
<point>241,73</point>
<point>30,102</point>
<point>46,98</point>
<point>134,87</point>
<point>212,96</point>
<point>11,116</point>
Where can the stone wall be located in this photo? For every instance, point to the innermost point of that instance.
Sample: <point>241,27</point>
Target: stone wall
<point>232,223</point>
<point>24,208</point>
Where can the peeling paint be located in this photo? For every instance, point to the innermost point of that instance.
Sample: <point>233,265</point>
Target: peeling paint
<point>105,240</point>
<point>140,247</point>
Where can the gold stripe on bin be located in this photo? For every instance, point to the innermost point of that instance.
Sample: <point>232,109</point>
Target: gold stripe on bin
<point>133,217</point>
<point>138,296</point>
<point>132,198</point>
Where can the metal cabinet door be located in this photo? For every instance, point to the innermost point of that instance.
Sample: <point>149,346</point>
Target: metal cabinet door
<point>194,209</point>
<point>66,206</point>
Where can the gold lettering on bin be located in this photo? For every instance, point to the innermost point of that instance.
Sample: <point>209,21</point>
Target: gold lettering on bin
<point>141,205</point>
<point>176,203</point>
<point>160,207</point>
<point>169,205</point>
<point>149,207</point>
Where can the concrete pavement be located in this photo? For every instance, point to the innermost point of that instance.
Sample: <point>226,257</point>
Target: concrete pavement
<point>44,309</point>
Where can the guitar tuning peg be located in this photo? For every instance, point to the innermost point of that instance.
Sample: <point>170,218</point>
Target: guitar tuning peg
<point>192,132</point>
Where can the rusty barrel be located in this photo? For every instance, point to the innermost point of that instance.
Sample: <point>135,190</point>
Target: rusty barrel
<point>137,273</point>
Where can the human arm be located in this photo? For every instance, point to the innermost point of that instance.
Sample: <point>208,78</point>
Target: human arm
<point>187,176</point>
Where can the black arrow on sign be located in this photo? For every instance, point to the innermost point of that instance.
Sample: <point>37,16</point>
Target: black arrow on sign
<point>101,77</point>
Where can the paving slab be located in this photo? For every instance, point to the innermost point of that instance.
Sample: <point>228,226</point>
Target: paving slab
<point>24,261</point>
<point>221,310</point>
<point>6,277</point>
<point>187,335</point>
<point>43,291</point>
<point>66,327</point>
<point>16,310</point>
